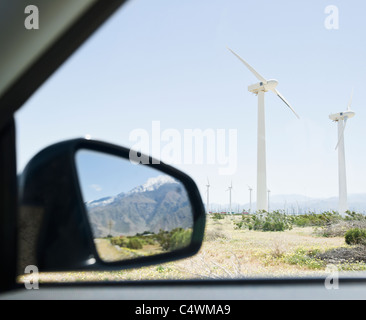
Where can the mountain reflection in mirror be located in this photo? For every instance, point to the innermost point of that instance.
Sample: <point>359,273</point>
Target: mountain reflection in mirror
<point>134,210</point>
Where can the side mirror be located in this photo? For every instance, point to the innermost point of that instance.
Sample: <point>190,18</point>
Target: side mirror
<point>86,205</point>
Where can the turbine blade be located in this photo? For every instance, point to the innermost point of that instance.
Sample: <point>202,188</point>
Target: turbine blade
<point>285,101</point>
<point>342,134</point>
<point>257,75</point>
<point>350,102</point>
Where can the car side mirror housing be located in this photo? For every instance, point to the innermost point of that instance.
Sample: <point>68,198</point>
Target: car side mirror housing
<point>87,205</point>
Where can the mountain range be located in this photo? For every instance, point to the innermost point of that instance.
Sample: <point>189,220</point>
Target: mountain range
<point>298,204</point>
<point>160,203</point>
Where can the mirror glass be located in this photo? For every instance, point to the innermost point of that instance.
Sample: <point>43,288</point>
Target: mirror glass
<point>134,210</point>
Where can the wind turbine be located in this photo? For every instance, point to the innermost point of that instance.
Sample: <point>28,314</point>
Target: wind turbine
<point>229,189</point>
<point>208,196</point>
<point>341,118</point>
<point>250,198</point>
<point>259,89</point>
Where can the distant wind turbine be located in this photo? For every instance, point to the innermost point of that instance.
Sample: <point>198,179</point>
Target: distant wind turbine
<point>208,196</point>
<point>250,198</point>
<point>259,89</point>
<point>341,118</point>
<point>229,189</point>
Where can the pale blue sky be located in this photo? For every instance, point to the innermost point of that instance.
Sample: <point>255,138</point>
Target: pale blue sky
<point>167,61</point>
<point>102,175</point>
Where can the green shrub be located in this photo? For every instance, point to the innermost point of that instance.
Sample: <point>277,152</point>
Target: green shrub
<point>354,216</point>
<point>118,241</point>
<point>163,238</point>
<point>134,243</point>
<point>217,216</point>
<point>316,220</point>
<point>265,221</point>
<point>355,236</point>
<point>180,239</point>
<point>174,239</point>
<point>305,258</point>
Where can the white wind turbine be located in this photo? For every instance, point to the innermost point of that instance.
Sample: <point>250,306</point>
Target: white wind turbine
<point>229,189</point>
<point>341,118</point>
<point>250,198</point>
<point>208,196</point>
<point>259,89</point>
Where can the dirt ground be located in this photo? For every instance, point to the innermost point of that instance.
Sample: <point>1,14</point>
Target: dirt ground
<point>230,253</point>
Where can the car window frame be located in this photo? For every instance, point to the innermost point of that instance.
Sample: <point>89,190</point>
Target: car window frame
<point>14,98</point>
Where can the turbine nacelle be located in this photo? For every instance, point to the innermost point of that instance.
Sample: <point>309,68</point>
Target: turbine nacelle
<point>271,85</point>
<point>342,115</point>
<point>265,86</point>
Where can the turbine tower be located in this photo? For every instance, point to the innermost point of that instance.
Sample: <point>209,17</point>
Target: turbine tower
<point>259,89</point>
<point>208,196</point>
<point>341,118</point>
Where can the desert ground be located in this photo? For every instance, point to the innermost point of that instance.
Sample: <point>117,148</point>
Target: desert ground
<point>229,252</point>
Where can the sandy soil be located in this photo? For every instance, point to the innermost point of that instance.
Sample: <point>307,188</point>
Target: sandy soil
<point>226,253</point>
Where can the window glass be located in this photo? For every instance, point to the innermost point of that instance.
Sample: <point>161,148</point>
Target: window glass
<point>158,77</point>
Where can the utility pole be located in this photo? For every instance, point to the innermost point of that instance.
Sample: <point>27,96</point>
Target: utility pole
<point>110,225</point>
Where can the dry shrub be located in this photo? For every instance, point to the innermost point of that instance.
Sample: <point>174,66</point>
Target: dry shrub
<point>278,248</point>
<point>339,229</point>
<point>344,255</point>
<point>204,267</point>
<point>216,234</point>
